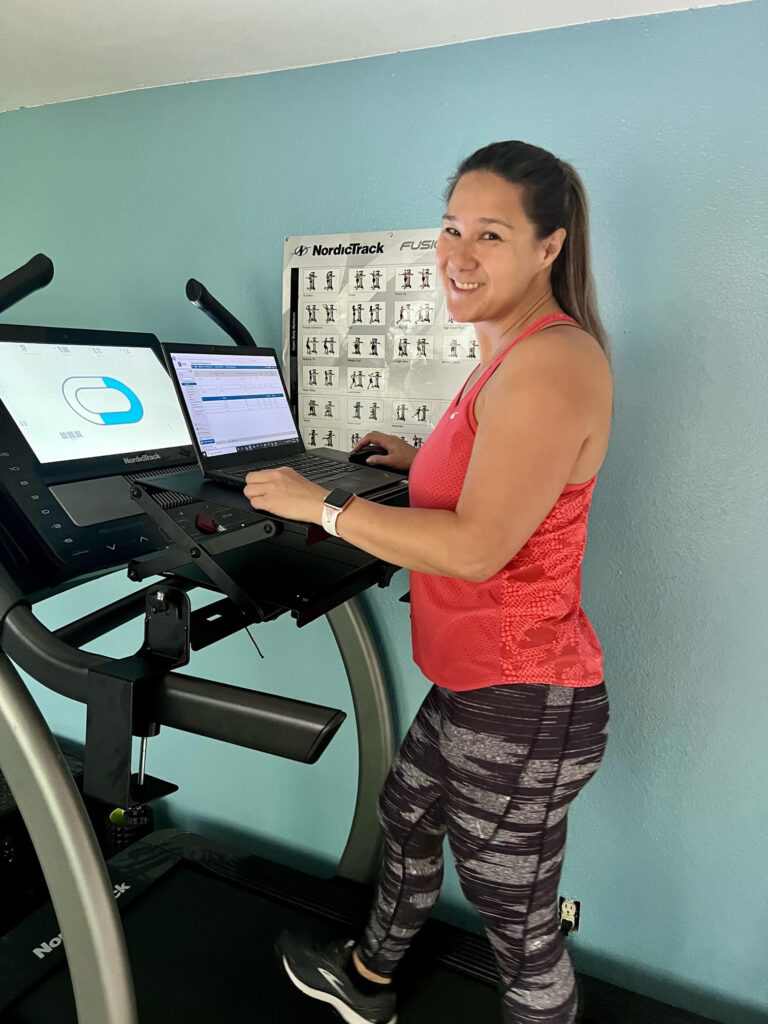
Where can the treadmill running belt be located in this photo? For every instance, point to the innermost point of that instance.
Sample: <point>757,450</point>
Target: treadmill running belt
<point>202,952</point>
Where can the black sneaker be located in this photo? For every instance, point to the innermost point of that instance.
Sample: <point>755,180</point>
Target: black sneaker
<point>320,972</point>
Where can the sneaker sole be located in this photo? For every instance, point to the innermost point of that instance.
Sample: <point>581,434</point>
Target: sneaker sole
<point>344,1011</point>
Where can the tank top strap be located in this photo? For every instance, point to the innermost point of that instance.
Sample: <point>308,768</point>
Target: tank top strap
<point>537,325</point>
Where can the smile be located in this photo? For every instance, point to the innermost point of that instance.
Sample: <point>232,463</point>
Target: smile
<point>469,287</point>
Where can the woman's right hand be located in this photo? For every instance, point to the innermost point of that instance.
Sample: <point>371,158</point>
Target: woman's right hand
<point>399,455</point>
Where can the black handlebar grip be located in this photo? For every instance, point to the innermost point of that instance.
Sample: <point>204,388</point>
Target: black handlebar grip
<point>199,296</point>
<point>196,292</point>
<point>37,273</point>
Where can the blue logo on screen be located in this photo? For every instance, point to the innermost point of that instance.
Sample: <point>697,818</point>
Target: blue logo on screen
<point>78,390</point>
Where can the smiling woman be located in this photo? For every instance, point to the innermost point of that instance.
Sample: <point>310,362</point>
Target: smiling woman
<point>548,193</point>
<point>517,720</point>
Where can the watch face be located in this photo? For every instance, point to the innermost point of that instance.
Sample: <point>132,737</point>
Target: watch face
<point>338,498</point>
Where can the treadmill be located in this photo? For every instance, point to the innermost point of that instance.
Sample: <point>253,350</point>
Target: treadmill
<point>178,927</point>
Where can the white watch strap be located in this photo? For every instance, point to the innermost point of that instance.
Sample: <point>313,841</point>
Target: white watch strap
<point>330,515</point>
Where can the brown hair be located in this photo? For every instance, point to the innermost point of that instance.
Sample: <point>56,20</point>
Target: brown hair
<point>553,197</point>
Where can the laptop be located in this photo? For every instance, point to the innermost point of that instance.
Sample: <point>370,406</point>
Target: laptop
<point>240,420</point>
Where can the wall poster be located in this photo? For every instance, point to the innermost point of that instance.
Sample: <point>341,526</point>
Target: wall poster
<point>367,341</point>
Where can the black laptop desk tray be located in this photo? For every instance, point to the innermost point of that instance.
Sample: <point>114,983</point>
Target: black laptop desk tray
<point>301,569</point>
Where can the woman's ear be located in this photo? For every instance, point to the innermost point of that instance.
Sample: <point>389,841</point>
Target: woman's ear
<point>553,244</point>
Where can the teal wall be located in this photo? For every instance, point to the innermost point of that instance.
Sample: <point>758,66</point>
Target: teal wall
<point>665,117</point>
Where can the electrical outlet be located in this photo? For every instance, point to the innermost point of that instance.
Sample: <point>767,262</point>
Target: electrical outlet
<point>570,912</point>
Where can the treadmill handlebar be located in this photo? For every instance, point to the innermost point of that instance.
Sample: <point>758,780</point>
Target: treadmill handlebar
<point>199,296</point>
<point>36,273</point>
<point>267,722</point>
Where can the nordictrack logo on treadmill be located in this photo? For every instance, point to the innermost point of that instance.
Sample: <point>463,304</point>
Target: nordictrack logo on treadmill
<point>141,458</point>
<point>42,951</point>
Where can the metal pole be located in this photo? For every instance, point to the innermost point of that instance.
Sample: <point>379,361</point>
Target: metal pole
<point>66,846</point>
<point>375,738</point>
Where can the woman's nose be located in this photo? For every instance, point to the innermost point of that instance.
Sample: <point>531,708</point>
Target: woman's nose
<point>458,253</point>
<point>463,254</point>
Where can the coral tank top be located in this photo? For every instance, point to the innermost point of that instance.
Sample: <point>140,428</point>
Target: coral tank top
<point>525,624</point>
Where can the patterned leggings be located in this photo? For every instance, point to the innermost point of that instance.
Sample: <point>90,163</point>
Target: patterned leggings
<point>496,769</point>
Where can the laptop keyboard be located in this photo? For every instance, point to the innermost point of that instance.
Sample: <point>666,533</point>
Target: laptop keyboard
<point>314,467</point>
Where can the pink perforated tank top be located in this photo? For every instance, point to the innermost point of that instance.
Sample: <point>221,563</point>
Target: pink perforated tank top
<point>525,624</point>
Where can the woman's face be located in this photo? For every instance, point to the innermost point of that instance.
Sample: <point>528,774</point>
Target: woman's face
<point>488,255</point>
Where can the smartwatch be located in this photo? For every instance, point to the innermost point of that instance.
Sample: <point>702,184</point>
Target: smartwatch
<point>333,506</point>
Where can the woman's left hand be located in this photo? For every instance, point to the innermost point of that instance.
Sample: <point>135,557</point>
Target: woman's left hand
<point>287,493</point>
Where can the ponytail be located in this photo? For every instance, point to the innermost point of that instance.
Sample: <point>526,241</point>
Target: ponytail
<point>573,285</point>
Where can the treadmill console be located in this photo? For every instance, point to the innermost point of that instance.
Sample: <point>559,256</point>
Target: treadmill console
<point>79,412</point>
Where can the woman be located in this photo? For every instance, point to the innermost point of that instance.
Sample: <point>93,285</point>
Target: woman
<point>517,719</point>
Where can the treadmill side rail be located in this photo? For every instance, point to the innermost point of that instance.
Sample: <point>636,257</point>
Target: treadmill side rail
<point>69,856</point>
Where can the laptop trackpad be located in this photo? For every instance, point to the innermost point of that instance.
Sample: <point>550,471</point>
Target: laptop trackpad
<point>368,479</point>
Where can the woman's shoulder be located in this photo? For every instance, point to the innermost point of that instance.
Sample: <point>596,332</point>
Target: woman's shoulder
<point>564,353</point>
<point>564,338</point>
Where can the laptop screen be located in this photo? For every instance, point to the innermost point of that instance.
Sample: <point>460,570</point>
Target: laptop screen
<point>235,401</point>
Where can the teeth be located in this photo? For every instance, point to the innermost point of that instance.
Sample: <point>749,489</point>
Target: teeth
<point>466,287</point>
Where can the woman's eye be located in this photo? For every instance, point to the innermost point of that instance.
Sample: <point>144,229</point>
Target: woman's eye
<point>491,236</point>
<point>450,230</point>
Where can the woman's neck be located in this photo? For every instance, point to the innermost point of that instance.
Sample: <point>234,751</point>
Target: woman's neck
<point>495,335</point>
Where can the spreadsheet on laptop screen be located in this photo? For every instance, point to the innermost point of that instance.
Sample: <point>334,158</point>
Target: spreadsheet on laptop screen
<point>235,402</point>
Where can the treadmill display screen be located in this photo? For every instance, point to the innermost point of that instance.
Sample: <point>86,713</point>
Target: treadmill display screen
<point>74,402</point>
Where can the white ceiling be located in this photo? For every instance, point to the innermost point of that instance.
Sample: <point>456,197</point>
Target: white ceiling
<point>55,50</point>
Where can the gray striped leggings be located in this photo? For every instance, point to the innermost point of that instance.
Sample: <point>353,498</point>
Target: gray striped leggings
<point>496,769</point>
